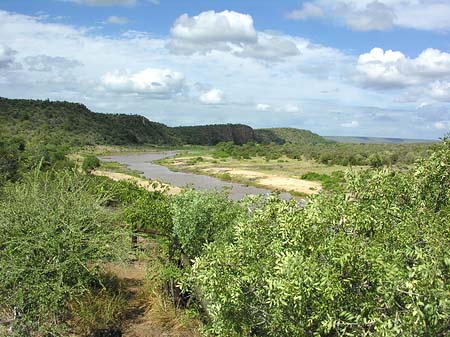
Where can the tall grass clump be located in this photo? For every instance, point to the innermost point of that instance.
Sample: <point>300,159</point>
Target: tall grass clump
<point>54,235</point>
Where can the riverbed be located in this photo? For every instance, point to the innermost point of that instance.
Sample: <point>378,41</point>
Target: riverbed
<point>145,163</point>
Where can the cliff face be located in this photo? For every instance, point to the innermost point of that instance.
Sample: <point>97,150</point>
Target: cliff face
<point>213,134</point>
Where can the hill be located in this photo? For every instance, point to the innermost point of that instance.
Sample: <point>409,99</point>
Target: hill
<point>376,140</point>
<point>65,123</point>
<point>74,124</point>
<point>289,136</point>
<point>213,134</point>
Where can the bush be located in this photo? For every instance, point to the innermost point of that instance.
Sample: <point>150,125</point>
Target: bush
<point>90,162</point>
<point>54,234</point>
<point>371,261</point>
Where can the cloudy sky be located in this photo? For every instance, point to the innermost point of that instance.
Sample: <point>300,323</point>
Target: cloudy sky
<point>336,67</point>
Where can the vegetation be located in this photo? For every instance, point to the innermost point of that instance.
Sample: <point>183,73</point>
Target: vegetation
<point>90,162</point>
<point>288,136</point>
<point>369,258</point>
<point>54,236</point>
<point>213,134</point>
<point>374,155</point>
<point>372,260</point>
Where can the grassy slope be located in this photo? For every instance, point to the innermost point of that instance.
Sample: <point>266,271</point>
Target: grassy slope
<point>288,135</point>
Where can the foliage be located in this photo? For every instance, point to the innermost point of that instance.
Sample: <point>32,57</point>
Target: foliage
<point>375,155</point>
<point>288,136</point>
<point>200,217</point>
<point>213,134</point>
<point>54,234</point>
<point>372,260</point>
<point>329,182</point>
<point>90,162</point>
<point>11,150</point>
<point>64,123</point>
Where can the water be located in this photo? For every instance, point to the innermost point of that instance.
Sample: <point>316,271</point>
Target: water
<point>145,163</point>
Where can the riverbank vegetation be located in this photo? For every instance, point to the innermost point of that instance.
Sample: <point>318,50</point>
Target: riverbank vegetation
<point>371,258</point>
<point>86,255</point>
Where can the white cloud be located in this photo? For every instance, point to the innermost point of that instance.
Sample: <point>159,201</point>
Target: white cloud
<point>126,3</point>
<point>352,124</point>
<point>212,97</point>
<point>155,83</point>
<point>211,28</point>
<point>50,63</point>
<point>430,63</point>
<point>291,108</point>
<point>309,10</point>
<point>440,90</point>
<point>366,15</point>
<point>392,69</point>
<point>227,31</point>
<point>375,16</point>
<point>382,69</point>
<point>262,107</point>
<point>117,20</point>
<point>442,125</point>
<point>423,105</point>
<point>269,47</point>
<point>6,56</point>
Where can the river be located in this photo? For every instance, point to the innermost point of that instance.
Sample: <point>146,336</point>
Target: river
<point>145,163</point>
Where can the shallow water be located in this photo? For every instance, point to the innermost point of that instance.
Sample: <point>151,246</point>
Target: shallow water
<point>145,164</point>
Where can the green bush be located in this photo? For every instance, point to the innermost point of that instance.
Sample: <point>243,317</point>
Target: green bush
<point>54,235</point>
<point>373,261</point>
<point>90,162</point>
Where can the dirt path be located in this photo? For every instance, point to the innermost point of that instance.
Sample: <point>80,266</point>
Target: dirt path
<point>137,322</point>
<point>145,183</point>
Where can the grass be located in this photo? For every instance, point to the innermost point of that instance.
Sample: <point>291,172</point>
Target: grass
<point>112,166</point>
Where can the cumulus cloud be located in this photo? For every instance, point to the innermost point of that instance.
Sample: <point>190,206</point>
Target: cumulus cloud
<point>440,90</point>
<point>155,83</point>
<point>263,107</point>
<point>375,16</point>
<point>117,20</point>
<point>6,56</point>
<point>392,69</point>
<point>269,47</point>
<point>352,124</point>
<point>309,10</point>
<point>213,30</point>
<point>126,3</point>
<point>227,31</point>
<point>212,97</point>
<point>366,15</point>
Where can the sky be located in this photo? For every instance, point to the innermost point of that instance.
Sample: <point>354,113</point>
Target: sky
<point>336,67</point>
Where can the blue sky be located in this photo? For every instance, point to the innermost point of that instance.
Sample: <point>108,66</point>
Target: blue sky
<point>336,67</point>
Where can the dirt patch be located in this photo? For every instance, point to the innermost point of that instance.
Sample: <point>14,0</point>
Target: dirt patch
<point>271,181</point>
<point>145,183</point>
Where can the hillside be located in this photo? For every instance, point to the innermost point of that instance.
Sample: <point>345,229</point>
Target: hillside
<point>213,134</point>
<point>376,140</point>
<point>74,124</point>
<point>288,135</point>
<point>65,123</point>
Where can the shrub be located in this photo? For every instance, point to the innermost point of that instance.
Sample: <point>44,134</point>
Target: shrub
<point>90,162</point>
<point>373,261</point>
<point>54,234</point>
